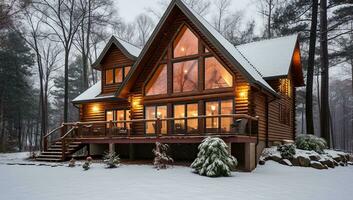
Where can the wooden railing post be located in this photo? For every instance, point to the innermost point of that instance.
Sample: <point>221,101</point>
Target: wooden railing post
<point>250,127</point>
<point>158,126</point>
<point>63,149</point>
<point>45,144</point>
<point>110,129</point>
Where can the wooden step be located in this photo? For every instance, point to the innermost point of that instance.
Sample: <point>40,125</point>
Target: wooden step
<point>49,159</point>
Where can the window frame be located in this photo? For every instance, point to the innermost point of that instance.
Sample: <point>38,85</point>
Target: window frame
<point>222,65</point>
<point>155,106</point>
<point>115,110</point>
<point>219,112</point>
<point>167,58</point>
<point>185,115</point>
<point>114,69</point>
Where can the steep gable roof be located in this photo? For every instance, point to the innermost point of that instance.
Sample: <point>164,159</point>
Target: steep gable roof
<point>228,49</point>
<point>271,57</point>
<point>128,49</point>
<point>92,94</point>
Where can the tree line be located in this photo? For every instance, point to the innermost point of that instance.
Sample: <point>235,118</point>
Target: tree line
<point>47,48</point>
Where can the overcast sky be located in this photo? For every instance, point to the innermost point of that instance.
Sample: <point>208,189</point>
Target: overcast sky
<point>129,9</point>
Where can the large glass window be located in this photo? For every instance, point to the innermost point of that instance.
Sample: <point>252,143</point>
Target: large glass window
<point>216,76</point>
<point>183,126</point>
<point>118,115</point>
<point>186,43</point>
<point>109,76</point>
<point>214,124</point>
<point>153,112</point>
<point>158,82</point>
<point>185,76</point>
<point>126,71</point>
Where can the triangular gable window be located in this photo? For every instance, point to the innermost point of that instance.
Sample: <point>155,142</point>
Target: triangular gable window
<point>216,76</point>
<point>158,83</point>
<point>185,44</point>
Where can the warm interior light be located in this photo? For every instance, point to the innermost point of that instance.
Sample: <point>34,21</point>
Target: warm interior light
<point>159,114</point>
<point>185,71</point>
<point>182,49</point>
<point>213,108</point>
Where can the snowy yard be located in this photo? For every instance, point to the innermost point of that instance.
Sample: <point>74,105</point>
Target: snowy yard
<point>271,181</point>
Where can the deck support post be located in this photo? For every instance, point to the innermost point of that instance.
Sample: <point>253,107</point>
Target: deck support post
<point>250,160</point>
<point>229,147</point>
<point>131,152</point>
<point>111,148</point>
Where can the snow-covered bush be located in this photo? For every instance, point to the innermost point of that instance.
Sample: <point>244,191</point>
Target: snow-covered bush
<point>213,159</point>
<point>161,159</point>
<point>287,151</point>
<point>111,159</point>
<point>311,143</point>
<point>72,162</point>
<point>87,164</point>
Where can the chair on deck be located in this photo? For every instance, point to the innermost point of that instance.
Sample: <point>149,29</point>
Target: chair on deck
<point>240,126</point>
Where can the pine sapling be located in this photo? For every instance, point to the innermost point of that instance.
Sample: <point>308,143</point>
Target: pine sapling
<point>87,164</point>
<point>213,159</point>
<point>161,159</point>
<point>72,162</point>
<point>111,159</point>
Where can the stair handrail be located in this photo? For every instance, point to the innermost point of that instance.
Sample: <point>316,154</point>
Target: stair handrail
<point>63,142</point>
<point>45,138</point>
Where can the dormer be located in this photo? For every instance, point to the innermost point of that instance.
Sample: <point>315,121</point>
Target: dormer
<point>115,63</point>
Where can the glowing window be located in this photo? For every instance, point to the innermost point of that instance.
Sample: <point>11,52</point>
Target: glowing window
<point>153,112</point>
<point>216,76</point>
<point>186,43</point>
<point>126,71</point>
<point>158,82</point>
<point>109,76</point>
<point>185,76</point>
<point>118,75</point>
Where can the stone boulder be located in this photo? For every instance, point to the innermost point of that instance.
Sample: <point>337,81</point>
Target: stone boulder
<point>295,161</point>
<point>328,163</point>
<point>262,161</point>
<point>304,161</point>
<point>314,157</point>
<point>317,165</point>
<point>276,158</point>
<point>350,163</point>
<point>285,162</point>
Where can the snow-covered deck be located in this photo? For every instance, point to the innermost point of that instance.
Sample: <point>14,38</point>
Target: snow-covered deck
<point>271,181</point>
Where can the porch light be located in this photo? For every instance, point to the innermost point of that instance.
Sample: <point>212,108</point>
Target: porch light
<point>95,108</point>
<point>242,94</point>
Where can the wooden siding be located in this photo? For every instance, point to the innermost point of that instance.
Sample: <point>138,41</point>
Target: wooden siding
<point>113,59</point>
<point>96,111</point>
<point>259,100</point>
<point>279,131</point>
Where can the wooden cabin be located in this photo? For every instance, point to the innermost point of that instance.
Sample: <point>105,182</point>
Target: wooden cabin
<point>187,83</point>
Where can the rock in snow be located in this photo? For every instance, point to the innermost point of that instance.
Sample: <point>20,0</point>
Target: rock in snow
<point>317,165</point>
<point>285,162</point>
<point>304,161</point>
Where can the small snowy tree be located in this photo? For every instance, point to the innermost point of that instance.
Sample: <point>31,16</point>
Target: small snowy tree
<point>161,159</point>
<point>213,159</point>
<point>111,159</point>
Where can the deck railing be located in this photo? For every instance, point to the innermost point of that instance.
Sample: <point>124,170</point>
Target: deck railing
<point>236,124</point>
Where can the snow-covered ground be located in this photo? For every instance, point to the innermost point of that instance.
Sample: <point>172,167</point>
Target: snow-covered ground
<point>271,181</point>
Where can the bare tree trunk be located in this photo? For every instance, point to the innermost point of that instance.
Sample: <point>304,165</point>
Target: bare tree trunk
<point>325,110</point>
<point>269,35</point>
<point>310,71</point>
<point>2,132</point>
<point>66,87</point>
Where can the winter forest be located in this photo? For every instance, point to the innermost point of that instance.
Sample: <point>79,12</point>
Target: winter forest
<point>47,48</point>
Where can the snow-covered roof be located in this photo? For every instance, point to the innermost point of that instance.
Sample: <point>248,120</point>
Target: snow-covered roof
<point>128,49</point>
<point>250,69</point>
<point>132,49</point>
<point>92,93</point>
<point>271,57</point>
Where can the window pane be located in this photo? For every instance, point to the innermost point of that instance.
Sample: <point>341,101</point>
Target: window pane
<point>120,117</point>
<point>185,76</point>
<point>127,70</point>
<point>162,113</point>
<point>186,43</point>
<point>212,123</point>
<point>109,76</point>
<point>118,75</point>
<point>192,111</point>
<point>158,83</point>
<point>109,117</point>
<point>226,108</point>
<point>179,125</point>
<point>150,114</point>
<point>216,76</point>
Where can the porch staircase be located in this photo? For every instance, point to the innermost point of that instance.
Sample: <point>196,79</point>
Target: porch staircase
<point>54,152</point>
